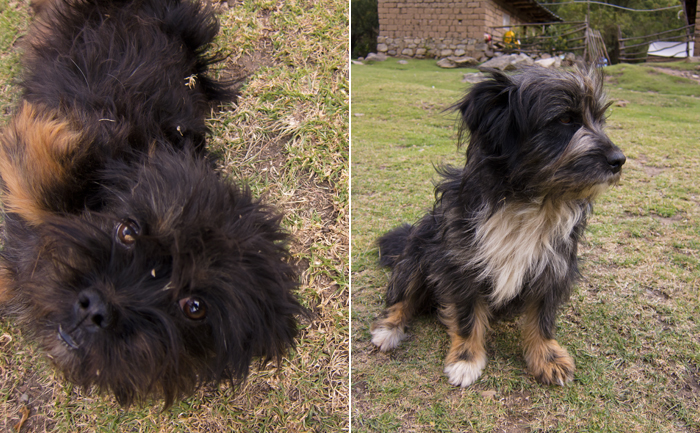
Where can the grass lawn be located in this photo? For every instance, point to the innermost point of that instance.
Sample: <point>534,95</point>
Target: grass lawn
<point>287,138</point>
<point>633,322</point>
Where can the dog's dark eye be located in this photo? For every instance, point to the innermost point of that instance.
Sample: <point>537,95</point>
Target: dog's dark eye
<point>566,120</point>
<point>193,307</point>
<point>127,232</point>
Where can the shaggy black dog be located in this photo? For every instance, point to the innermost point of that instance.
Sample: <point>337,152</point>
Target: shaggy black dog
<point>503,234</point>
<point>138,269</point>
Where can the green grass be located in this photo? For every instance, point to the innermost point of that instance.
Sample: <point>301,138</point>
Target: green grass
<point>633,322</point>
<point>287,139</point>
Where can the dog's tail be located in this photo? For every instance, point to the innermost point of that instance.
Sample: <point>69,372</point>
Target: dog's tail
<point>392,244</point>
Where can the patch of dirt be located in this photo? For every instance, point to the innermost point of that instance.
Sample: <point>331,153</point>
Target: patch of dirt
<point>518,419</point>
<point>430,108</point>
<point>237,68</point>
<point>667,220</point>
<point>33,397</point>
<point>688,384</point>
<point>693,381</point>
<point>649,169</point>
<point>657,294</point>
<point>652,171</point>
<point>691,75</point>
<point>266,156</point>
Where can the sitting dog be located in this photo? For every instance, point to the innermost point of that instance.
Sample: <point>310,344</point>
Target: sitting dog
<point>137,267</point>
<point>503,234</point>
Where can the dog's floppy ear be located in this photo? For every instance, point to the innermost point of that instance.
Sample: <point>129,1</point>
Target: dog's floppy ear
<point>488,118</point>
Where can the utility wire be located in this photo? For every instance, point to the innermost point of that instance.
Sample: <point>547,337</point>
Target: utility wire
<point>612,6</point>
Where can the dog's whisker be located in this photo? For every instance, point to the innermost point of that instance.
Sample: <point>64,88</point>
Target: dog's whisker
<point>87,83</point>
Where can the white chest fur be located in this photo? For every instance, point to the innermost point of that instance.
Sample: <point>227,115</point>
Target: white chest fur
<point>520,241</point>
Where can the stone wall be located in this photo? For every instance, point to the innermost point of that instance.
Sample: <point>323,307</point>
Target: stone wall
<point>438,28</point>
<point>420,48</point>
<point>431,18</point>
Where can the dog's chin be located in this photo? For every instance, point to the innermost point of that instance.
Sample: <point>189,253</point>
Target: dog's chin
<point>609,179</point>
<point>592,192</point>
<point>67,347</point>
<point>82,359</point>
<point>576,185</point>
<point>62,348</point>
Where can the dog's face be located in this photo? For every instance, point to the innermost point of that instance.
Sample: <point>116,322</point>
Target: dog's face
<point>543,131</point>
<point>179,279</point>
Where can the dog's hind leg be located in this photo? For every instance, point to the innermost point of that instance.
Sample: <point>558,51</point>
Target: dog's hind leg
<point>406,293</point>
<point>467,325</point>
<point>547,361</point>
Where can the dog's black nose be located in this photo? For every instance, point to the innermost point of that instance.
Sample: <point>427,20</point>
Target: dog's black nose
<point>92,309</point>
<point>616,160</point>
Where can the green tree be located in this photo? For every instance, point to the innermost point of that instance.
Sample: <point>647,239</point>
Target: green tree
<point>364,27</point>
<point>608,19</point>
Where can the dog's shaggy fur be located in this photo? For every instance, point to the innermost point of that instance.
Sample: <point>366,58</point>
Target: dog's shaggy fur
<point>138,269</point>
<point>503,234</point>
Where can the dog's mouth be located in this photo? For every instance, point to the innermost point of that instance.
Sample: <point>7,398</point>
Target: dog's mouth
<point>614,177</point>
<point>67,339</point>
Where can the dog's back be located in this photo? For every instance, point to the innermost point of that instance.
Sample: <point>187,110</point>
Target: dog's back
<point>134,70</point>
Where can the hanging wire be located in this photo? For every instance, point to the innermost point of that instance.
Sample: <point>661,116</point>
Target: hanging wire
<point>612,6</point>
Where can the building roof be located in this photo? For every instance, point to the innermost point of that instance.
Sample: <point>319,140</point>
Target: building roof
<point>535,12</point>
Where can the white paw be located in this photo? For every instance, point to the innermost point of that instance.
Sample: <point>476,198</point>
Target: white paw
<point>387,338</point>
<point>463,373</point>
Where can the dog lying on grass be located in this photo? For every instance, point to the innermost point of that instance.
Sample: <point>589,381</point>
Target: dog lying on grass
<point>138,268</point>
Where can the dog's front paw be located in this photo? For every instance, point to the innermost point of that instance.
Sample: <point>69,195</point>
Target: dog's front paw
<point>552,365</point>
<point>387,338</point>
<point>464,373</point>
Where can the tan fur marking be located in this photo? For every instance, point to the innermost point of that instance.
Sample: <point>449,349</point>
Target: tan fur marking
<point>396,316</point>
<point>550,363</point>
<point>460,371</point>
<point>517,242</point>
<point>388,330</point>
<point>39,6</point>
<point>474,343</point>
<point>34,153</point>
<point>4,291</point>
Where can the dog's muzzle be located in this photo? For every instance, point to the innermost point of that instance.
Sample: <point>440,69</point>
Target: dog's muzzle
<point>616,159</point>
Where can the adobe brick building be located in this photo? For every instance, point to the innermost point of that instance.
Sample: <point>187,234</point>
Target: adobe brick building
<point>442,28</point>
